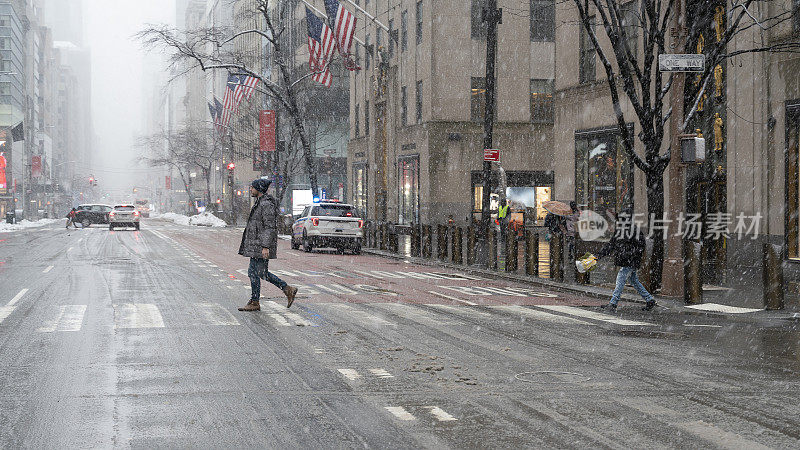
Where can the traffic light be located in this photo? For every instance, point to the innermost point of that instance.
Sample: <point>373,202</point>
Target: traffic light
<point>91,181</point>
<point>231,166</point>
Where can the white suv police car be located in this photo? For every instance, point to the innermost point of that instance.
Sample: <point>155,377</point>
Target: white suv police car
<point>328,224</point>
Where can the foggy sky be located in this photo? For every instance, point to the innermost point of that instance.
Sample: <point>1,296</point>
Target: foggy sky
<point>117,77</point>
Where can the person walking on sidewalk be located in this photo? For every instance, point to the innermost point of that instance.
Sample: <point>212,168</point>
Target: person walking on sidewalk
<point>260,244</point>
<point>627,246</point>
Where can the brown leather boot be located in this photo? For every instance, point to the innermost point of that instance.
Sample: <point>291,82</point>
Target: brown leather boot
<point>252,305</point>
<point>290,293</point>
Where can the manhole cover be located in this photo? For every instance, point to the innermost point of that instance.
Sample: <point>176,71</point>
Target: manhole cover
<point>551,376</point>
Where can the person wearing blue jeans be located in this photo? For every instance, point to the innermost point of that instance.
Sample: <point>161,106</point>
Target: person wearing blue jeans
<point>260,244</point>
<point>627,246</point>
<point>259,268</point>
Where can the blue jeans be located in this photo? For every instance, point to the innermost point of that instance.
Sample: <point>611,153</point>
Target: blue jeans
<point>259,269</point>
<point>622,277</point>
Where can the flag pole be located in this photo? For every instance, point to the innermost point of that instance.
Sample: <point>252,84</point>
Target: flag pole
<point>326,16</point>
<point>369,16</point>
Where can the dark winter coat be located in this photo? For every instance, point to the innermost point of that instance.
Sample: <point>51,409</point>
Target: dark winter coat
<point>262,229</point>
<point>627,250</point>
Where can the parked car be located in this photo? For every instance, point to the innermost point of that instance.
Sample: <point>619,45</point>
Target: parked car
<point>124,216</point>
<point>328,224</point>
<point>90,214</point>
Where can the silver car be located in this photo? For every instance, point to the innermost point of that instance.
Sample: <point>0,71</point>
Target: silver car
<point>123,216</point>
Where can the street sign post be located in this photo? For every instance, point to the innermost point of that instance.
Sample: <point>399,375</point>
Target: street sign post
<point>678,62</point>
<point>491,154</point>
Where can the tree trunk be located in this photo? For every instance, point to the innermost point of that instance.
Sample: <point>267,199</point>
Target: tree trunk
<point>294,111</point>
<point>655,208</point>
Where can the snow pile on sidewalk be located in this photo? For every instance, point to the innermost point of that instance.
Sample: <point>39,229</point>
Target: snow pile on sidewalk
<point>180,219</point>
<point>207,219</point>
<point>23,224</point>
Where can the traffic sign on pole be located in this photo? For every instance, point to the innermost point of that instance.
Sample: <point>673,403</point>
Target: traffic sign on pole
<point>677,62</point>
<point>491,154</point>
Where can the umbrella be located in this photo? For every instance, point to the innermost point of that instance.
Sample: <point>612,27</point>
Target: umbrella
<point>557,208</point>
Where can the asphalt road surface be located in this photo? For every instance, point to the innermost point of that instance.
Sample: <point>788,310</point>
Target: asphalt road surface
<point>132,339</point>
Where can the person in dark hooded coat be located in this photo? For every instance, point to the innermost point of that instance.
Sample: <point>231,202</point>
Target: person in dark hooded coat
<point>260,244</point>
<point>627,246</point>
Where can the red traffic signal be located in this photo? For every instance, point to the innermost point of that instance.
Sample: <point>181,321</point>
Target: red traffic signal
<point>231,166</point>
<point>91,179</point>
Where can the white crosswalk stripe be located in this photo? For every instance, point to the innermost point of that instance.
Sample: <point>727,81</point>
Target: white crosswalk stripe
<point>416,314</point>
<point>381,373</point>
<point>571,310</point>
<point>214,314</point>
<point>440,414</point>
<point>137,315</point>
<point>6,311</point>
<point>362,315</point>
<point>538,315</point>
<point>287,316</point>
<point>68,318</point>
<point>400,413</point>
<point>350,374</point>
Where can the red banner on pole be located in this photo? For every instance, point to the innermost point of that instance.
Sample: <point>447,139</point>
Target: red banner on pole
<point>167,182</point>
<point>266,125</point>
<point>36,166</point>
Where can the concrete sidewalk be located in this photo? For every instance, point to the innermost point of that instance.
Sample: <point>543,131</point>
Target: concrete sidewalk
<point>749,315</point>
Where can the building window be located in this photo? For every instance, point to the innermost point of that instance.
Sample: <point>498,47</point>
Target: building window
<point>419,22</point>
<point>542,101</point>
<point>5,43</point>
<point>796,15</point>
<point>478,99</point>
<point>478,27</point>
<point>543,20</point>
<point>5,88</point>
<point>5,21</point>
<point>631,24</point>
<point>408,188</point>
<point>419,101</point>
<point>586,68</point>
<point>367,53</point>
<point>366,119</point>
<point>603,172</point>
<point>360,188</point>
<point>5,65</point>
<point>357,118</point>
<point>404,31</point>
<point>403,106</point>
<point>391,38</point>
<point>793,181</point>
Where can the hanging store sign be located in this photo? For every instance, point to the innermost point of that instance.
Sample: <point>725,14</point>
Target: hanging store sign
<point>491,154</point>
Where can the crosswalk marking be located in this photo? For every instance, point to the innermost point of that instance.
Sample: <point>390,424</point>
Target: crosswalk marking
<point>5,311</point>
<point>440,414</point>
<point>452,298</point>
<point>280,319</point>
<point>69,318</point>
<point>298,320</point>
<point>350,374</point>
<point>571,310</point>
<point>400,412</point>
<point>17,297</point>
<point>137,315</point>
<point>214,314</point>
<point>416,314</point>
<point>460,310</point>
<point>381,373</point>
<point>48,269</point>
<point>365,316</point>
<point>294,318</point>
<point>539,315</point>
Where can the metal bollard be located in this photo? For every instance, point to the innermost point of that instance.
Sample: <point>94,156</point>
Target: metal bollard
<point>441,242</point>
<point>415,240</point>
<point>532,253</point>
<point>511,251</point>
<point>470,245</point>
<point>773,277</point>
<point>557,257</point>
<point>692,273</point>
<point>458,248</point>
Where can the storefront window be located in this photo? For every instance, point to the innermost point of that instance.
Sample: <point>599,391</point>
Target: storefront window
<point>408,188</point>
<point>793,181</point>
<point>360,188</point>
<point>603,173</point>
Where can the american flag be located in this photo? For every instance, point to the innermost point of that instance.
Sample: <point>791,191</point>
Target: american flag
<point>218,115</point>
<point>320,48</point>
<point>343,24</point>
<point>237,87</point>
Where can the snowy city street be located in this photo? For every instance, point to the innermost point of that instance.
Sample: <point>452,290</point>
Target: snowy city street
<point>132,339</point>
